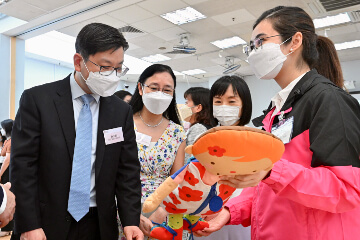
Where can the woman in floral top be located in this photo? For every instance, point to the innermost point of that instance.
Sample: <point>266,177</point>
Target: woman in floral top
<point>160,137</point>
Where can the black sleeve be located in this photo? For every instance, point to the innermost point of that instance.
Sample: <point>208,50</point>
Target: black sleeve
<point>24,164</point>
<point>335,129</point>
<point>128,185</point>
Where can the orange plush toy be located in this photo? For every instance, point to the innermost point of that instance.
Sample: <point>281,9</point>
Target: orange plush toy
<point>193,192</point>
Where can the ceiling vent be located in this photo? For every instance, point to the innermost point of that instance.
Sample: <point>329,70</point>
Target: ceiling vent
<point>354,16</point>
<point>331,5</point>
<point>129,29</point>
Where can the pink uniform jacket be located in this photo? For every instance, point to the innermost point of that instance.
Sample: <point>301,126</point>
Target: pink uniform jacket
<point>313,192</point>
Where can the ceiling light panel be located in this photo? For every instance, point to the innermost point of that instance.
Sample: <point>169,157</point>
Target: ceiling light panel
<point>332,20</point>
<point>156,58</point>
<point>182,16</point>
<point>193,72</point>
<point>229,42</point>
<point>347,45</point>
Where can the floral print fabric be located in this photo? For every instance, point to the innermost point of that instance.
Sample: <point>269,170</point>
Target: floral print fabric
<point>157,161</point>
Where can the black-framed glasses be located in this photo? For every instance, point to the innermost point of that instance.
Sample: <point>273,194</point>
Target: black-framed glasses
<point>156,88</point>
<point>255,44</point>
<point>108,70</point>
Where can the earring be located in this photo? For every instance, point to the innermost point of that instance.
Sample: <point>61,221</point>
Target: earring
<point>291,49</point>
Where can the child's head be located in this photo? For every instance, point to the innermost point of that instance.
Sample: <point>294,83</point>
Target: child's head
<point>236,150</point>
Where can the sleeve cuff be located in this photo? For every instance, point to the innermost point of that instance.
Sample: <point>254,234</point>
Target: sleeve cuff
<point>275,174</point>
<point>3,204</point>
<point>234,209</point>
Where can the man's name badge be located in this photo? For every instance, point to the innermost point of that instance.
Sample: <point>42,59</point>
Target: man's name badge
<point>114,135</point>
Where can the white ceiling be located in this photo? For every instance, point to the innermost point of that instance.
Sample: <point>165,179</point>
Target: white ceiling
<point>225,18</point>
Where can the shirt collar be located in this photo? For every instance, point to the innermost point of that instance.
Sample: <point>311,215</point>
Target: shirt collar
<point>279,99</point>
<point>76,90</point>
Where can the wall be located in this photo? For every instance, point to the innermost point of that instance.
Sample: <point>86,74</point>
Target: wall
<point>351,72</point>
<point>39,72</point>
<point>4,77</point>
<point>261,93</point>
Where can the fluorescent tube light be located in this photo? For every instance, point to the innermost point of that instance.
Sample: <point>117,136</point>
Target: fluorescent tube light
<point>193,72</point>
<point>155,58</point>
<point>332,20</point>
<point>229,42</point>
<point>182,16</point>
<point>347,45</point>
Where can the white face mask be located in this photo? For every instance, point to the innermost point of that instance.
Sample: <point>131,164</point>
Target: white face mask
<point>226,115</point>
<point>185,112</point>
<point>3,133</point>
<point>103,86</point>
<point>267,61</point>
<point>156,102</point>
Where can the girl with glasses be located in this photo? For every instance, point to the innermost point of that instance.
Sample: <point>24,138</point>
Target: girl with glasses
<point>312,192</point>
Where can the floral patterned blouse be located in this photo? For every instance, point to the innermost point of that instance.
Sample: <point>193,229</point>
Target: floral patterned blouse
<point>156,162</point>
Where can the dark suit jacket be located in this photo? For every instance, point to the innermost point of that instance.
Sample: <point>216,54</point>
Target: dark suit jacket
<point>43,140</point>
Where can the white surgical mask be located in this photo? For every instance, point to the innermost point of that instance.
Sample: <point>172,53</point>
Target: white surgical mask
<point>226,115</point>
<point>3,132</point>
<point>267,61</point>
<point>156,102</point>
<point>103,86</point>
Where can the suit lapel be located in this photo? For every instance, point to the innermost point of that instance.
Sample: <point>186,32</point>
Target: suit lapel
<point>65,110</point>
<point>105,118</point>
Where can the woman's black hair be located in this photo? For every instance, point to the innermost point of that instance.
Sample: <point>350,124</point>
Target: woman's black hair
<point>240,88</point>
<point>122,94</point>
<point>136,102</point>
<point>200,95</point>
<point>7,125</point>
<point>289,20</point>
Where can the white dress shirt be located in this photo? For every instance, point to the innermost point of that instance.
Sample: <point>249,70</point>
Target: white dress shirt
<point>77,92</point>
<point>280,98</point>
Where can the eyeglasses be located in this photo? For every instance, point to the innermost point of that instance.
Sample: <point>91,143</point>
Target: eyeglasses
<point>156,88</point>
<point>108,70</point>
<point>257,43</point>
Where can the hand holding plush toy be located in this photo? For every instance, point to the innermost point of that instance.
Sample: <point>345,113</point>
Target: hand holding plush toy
<point>193,191</point>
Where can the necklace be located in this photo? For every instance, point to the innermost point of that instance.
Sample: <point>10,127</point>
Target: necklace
<point>149,125</point>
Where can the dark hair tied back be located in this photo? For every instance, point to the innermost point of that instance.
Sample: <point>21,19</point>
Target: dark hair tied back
<point>289,20</point>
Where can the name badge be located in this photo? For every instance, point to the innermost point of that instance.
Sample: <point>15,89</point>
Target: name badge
<point>283,129</point>
<point>114,135</point>
<point>143,139</point>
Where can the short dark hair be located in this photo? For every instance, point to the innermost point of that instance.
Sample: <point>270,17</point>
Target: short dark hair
<point>200,95</point>
<point>99,37</point>
<point>240,88</point>
<point>136,102</point>
<point>318,52</point>
<point>122,94</point>
<point>7,125</point>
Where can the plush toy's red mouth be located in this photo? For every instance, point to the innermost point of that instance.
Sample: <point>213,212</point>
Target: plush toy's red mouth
<point>232,171</point>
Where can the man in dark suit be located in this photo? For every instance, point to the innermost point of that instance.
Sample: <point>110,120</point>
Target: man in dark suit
<point>74,149</point>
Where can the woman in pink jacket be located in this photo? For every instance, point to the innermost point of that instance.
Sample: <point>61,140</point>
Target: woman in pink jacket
<point>313,191</point>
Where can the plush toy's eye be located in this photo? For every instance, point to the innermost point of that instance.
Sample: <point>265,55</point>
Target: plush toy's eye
<point>212,163</point>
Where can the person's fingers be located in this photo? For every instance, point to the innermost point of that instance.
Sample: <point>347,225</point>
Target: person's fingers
<point>7,185</point>
<point>201,233</point>
<point>3,224</point>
